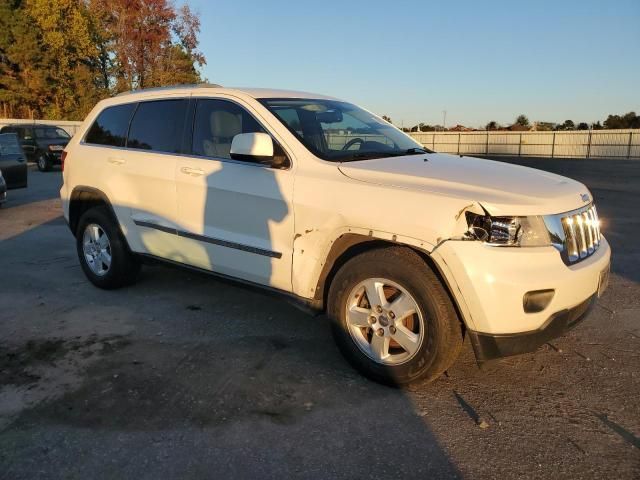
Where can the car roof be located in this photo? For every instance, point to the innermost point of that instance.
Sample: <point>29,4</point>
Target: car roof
<point>214,88</point>
<point>30,125</point>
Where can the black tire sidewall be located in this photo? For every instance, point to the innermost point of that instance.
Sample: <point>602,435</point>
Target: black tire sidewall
<point>419,282</point>
<point>46,162</point>
<point>124,265</point>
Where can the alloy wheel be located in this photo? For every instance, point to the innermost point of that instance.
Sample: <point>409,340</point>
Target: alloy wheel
<point>97,249</point>
<point>384,321</point>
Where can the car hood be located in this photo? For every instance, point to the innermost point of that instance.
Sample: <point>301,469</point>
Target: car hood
<point>501,188</point>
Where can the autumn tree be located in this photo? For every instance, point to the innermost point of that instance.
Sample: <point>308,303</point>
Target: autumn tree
<point>59,57</point>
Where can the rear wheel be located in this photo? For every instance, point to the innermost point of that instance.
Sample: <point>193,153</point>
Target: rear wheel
<point>392,319</point>
<point>102,250</point>
<point>44,164</point>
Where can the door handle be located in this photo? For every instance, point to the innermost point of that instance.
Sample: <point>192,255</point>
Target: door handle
<point>116,160</point>
<point>194,172</point>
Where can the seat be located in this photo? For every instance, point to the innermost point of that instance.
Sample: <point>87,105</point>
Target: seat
<point>224,126</point>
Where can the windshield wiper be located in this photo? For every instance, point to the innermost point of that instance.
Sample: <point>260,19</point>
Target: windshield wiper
<point>369,155</point>
<point>382,154</point>
<point>415,150</point>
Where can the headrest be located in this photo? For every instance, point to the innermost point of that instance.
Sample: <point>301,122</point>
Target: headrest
<point>225,124</point>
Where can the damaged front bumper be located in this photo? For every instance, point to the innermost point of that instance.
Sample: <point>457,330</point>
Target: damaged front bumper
<point>489,347</point>
<point>491,285</point>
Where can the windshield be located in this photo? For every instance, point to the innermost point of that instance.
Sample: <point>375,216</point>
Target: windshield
<point>9,144</point>
<point>339,131</point>
<point>51,133</point>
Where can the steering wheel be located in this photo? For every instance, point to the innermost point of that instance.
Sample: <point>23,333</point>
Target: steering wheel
<point>352,142</point>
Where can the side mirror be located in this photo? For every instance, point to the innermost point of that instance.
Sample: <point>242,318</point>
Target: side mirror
<point>253,147</point>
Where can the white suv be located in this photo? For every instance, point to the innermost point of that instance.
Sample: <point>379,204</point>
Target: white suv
<point>408,251</point>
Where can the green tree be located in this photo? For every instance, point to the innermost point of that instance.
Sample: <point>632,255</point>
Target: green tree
<point>492,125</point>
<point>522,120</point>
<point>628,120</point>
<point>566,125</point>
<point>582,126</point>
<point>387,118</point>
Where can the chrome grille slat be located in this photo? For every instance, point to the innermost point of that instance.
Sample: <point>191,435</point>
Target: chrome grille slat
<point>589,232</point>
<point>582,233</point>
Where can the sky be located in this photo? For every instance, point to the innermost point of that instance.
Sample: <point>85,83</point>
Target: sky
<point>478,60</point>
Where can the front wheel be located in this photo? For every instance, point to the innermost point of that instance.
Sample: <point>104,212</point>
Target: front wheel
<point>103,253</point>
<point>392,318</point>
<point>44,164</point>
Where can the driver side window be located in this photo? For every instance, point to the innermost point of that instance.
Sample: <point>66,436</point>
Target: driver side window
<point>216,123</point>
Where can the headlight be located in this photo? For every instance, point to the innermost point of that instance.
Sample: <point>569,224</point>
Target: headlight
<point>508,231</point>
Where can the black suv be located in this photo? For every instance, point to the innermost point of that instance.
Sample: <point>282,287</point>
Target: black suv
<point>42,144</point>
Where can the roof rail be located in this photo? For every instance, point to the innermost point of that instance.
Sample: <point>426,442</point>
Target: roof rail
<point>171,87</point>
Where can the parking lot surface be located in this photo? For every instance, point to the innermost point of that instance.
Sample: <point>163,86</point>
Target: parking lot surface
<point>187,376</point>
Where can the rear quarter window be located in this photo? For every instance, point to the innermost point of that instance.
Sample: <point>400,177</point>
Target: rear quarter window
<point>110,128</point>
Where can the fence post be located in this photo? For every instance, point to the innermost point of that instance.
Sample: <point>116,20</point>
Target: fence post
<point>553,144</point>
<point>458,143</point>
<point>520,145</point>
<point>433,140</point>
<point>486,148</point>
<point>589,145</point>
<point>629,146</point>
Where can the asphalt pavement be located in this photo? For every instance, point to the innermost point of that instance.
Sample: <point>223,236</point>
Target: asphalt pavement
<point>187,376</point>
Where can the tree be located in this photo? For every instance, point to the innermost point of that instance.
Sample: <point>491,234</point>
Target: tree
<point>628,120</point>
<point>492,125</point>
<point>66,48</point>
<point>582,126</point>
<point>567,125</point>
<point>386,118</point>
<point>596,126</point>
<point>59,57</point>
<point>522,120</point>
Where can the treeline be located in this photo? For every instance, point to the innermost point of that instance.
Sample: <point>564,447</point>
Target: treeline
<point>58,58</point>
<point>612,122</point>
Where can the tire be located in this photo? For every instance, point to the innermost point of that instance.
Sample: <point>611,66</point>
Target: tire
<point>434,326</point>
<point>44,164</point>
<point>123,267</point>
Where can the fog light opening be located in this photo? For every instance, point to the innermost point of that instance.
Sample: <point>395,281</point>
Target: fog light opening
<point>537,300</point>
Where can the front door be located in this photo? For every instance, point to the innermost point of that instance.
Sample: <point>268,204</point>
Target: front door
<point>237,216</point>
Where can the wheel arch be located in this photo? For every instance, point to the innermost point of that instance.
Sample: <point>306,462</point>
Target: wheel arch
<point>84,198</point>
<point>349,245</point>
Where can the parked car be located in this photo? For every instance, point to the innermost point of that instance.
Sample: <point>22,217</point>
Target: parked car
<point>41,143</point>
<point>3,189</point>
<point>13,164</point>
<point>407,251</point>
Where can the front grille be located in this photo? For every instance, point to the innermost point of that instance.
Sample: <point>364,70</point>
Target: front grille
<point>582,233</point>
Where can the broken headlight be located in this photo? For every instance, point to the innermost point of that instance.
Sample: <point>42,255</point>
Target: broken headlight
<point>508,231</point>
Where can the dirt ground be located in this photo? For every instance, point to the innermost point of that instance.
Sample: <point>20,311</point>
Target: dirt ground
<point>186,376</point>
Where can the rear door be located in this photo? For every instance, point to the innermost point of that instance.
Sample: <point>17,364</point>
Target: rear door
<point>12,162</point>
<point>28,141</point>
<point>133,149</point>
<point>146,175</point>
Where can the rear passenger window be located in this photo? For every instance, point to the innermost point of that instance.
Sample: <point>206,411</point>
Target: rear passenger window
<point>158,126</point>
<point>216,123</point>
<point>110,128</point>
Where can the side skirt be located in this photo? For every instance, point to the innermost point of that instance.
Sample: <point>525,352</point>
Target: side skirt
<point>301,303</point>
